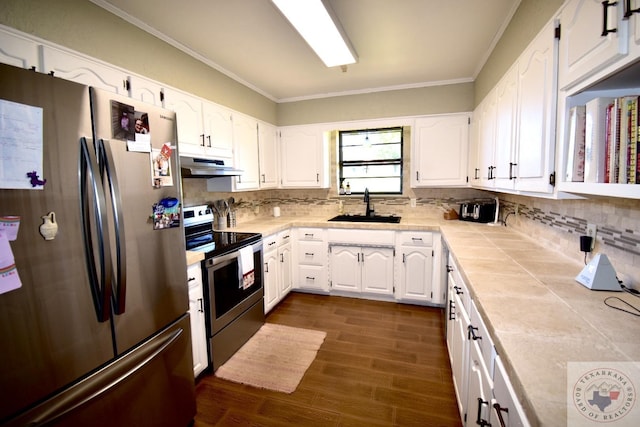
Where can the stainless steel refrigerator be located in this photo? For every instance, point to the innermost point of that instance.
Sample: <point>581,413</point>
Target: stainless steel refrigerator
<point>94,329</point>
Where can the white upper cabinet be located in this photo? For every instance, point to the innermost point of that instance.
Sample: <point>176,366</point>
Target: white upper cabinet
<point>188,109</point>
<point>82,70</point>
<point>217,124</point>
<point>18,51</point>
<point>146,91</point>
<point>440,149</point>
<point>505,130</point>
<point>485,117</point>
<point>615,75</point>
<point>514,126</point>
<point>594,35</point>
<point>536,120</point>
<point>245,154</point>
<point>305,157</point>
<point>205,129</point>
<point>268,151</point>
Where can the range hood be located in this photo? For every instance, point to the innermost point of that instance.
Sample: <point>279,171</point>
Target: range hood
<point>194,167</point>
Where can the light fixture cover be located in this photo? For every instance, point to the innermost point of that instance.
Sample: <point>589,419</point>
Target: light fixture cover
<point>317,24</point>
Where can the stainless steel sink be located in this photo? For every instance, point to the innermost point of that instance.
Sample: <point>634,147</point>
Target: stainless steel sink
<point>363,218</point>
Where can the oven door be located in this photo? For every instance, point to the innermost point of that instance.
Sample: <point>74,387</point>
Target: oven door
<point>226,297</point>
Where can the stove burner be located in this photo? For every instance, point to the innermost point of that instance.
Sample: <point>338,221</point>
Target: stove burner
<point>201,237</point>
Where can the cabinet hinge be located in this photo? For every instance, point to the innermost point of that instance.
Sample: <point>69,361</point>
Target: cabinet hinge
<point>468,120</point>
<point>552,179</point>
<point>467,179</point>
<point>394,252</point>
<point>433,253</point>
<point>431,295</point>
<point>557,32</point>
<point>161,95</point>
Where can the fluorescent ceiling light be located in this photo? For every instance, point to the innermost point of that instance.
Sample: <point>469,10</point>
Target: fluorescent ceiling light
<point>315,22</point>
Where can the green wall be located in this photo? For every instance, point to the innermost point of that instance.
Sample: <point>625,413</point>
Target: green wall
<point>526,23</point>
<point>84,27</point>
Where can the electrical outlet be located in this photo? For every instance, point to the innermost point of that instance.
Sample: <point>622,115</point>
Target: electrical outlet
<point>517,209</point>
<point>413,203</point>
<point>591,232</point>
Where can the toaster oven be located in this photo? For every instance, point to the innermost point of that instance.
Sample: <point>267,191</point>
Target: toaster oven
<point>478,211</point>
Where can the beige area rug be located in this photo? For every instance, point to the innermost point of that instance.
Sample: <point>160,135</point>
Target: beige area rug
<point>275,358</point>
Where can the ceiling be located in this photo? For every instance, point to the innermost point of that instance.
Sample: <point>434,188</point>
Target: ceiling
<point>399,43</point>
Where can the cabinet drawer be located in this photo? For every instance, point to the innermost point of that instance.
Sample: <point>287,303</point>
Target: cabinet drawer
<point>312,253</point>
<point>361,237</point>
<point>270,242</point>
<point>311,234</point>
<point>284,237</point>
<point>505,397</point>
<point>486,343</point>
<point>312,277</point>
<point>194,276</point>
<point>415,238</point>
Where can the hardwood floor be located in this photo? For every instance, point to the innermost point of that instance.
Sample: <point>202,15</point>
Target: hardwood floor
<point>381,364</point>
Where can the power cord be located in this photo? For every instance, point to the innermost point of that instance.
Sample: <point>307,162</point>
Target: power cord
<point>631,291</point>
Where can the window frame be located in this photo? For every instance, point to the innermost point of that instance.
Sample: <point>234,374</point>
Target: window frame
<point>399,162</point>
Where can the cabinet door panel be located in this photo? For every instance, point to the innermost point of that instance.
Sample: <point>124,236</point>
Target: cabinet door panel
<point>245,142</point>
<point>18,51</point>
<point>377,270</point>
<point>271,293</point>
<point>506,104</point>
<point>267,147</point>
<point>536,114</point>
<point>584,50</point>
<point>302,157</point>
<point>146,91</point>
<point>440,153</point>
<point>218,131</point>
<point>285,279</point>
<point>84,71</point>
<point>188,111</point>
<point>345,268</point>
<point>416,274</point>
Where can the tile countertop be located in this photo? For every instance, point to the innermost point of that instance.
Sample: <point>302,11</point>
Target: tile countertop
<point>539,317</point>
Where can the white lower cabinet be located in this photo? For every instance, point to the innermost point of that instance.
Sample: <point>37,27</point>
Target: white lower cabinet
<point>361,269</point>
<point>505,407</point>
<point>196,314</point>
<point>418,267</point>
<point>483,390</point>
<point>311,261</point>
<point>277,268</point>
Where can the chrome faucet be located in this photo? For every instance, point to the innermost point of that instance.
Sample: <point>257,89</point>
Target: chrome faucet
<point>369,212</point>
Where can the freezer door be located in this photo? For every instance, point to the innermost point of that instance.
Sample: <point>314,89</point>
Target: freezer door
<point>151,386</point>
<point>49,329</point>
<point>150,276</point>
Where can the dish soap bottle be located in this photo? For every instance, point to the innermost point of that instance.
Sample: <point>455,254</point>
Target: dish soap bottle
<point>348,189</point>
<point>341,188</point>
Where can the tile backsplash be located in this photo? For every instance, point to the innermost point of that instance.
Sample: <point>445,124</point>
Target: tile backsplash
<point>554,224</point>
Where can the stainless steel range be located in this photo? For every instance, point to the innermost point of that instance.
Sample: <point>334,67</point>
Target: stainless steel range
<point>234,305</point>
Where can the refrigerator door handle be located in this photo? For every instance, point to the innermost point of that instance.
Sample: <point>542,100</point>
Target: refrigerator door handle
<point>92,205</point>
<point>105,158</point>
